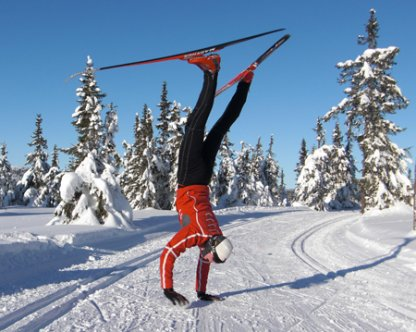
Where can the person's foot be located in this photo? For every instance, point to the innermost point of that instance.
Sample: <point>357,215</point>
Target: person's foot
<point>209,63</point>
<point>248,77</point>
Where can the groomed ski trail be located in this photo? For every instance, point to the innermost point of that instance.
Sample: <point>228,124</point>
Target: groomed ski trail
<point>292,270</point>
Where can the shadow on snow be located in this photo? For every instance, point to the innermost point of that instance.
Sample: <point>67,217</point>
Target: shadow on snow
<point>320,278</point>
<point>34,268</point>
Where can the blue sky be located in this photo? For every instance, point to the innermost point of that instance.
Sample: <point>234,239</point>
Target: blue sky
<point>45,41</point>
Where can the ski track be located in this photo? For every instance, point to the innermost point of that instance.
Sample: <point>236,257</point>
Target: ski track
<point>68,297</point>
<point>328,228</point>
<point>126,296</point>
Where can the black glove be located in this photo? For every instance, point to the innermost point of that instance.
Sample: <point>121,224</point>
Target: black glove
<point>174,297</point>
<point>207,297</point>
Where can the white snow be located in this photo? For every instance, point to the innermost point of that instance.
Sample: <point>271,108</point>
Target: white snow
<point>292,269</point>
<point>84,188</point>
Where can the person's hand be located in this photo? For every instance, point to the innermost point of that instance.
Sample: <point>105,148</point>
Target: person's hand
<point>207,297</point>
<point>175,297</point>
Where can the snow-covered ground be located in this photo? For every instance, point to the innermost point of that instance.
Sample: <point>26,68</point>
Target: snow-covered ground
<point>292,270</point>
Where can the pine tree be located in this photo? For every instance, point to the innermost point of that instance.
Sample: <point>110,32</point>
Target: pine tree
<point>148,196</point>
<point>109,151</point>
<point>91,196</point>
<point>260,196</point>
<point>245,182</point>
<point>326,182</point>
<point>7,183</point>
<point>344,183</point>
<point>132,165</point>
<point>87,118</point>
<point>164,155</point>
<point>29,186</point>
<point>271,172</point>
<point>303,154</point>
<point>164,117</point>
<point>282,190</point>
<point>176,132</point>
<point>372,32</point>
<point>372,95</point>
<point>91,193</point>
<point>337,136</point>
<point>317,185</point>
<point>313,180</point>
<point>49,193</point>
<point>320,133</point>
<point>139,179</point>
<point>225,193</point>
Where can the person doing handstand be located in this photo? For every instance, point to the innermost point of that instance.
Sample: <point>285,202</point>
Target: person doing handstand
<point>199,226</point>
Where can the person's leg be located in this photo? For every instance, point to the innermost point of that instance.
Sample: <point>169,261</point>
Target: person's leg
<point>215,136</point>
<point>192,168</point>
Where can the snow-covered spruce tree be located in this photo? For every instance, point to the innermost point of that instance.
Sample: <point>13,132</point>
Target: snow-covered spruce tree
<point>284,199</point>
<point>225,194</point>
<point>176,132</point>
<point>261,195</point>
<point>91,193</point>
<point>245,183</point>
<point>372,95</point>
<point>337,136</point>
<point>49,194</point>
<point>164,154</point>
<point>348,151</point>
<point>343,180</point>
<point>303,154</point>
<point>320,133</point>
<point>148,195</point>
<point>7,183</point>
<point>109,151</point>
<point>28,187</point>
<point>271,174</point>
<point>87,117</point>
<point>141,169</point>
<point>326,181</point>
<point>314,179</point>
<point>319,185</point>
<point>132,163</point>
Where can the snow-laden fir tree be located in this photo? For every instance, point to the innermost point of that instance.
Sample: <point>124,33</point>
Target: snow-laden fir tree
<point>176,132</point>
<point>91,193</point>
<point>245,182</point>
<point>7,183</point>
<point>148,194</point>
<point>344,182</point>
<point>225,191</point>
<point>132,163</point>
<point>337,136</point>
<point>49,194</point>
<point>109,151</point>
<point>371,96</point>
<point>284,199</point>
<point>271,174</point>
<point>87,117</point>
<point>314,179</point>
<point>28,188</point>
<point>320,133</point>
<point>303,154</point>
<point>250,178</point>
<point>165,155</point>
<point>324,180</point>
<point>139,179</point>
<point>261,195</point>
